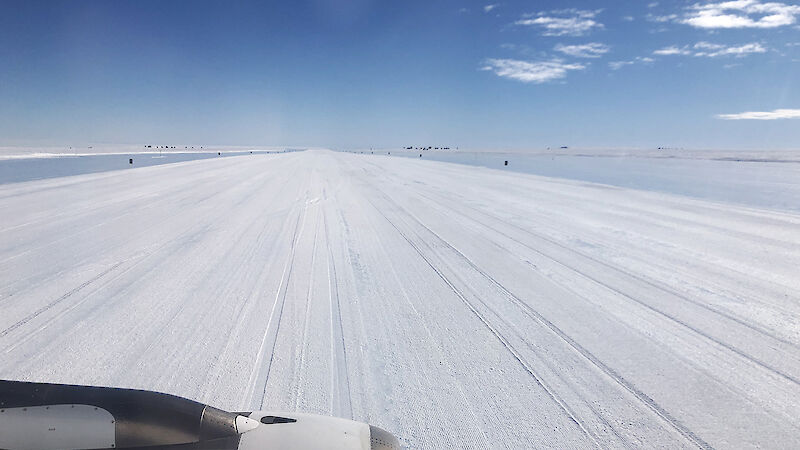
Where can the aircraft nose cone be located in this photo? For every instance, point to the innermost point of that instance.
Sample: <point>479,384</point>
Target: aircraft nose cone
<point>245,424</point>
<point>381,439</point>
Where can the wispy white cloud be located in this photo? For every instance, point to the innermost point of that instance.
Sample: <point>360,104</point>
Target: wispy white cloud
<point>741,14</point>
<point>672,50</point>
<point>590,50</point>
<point>536,72</point>
<point>565,22</point>
<point>712,50</point>
<point>489,8</point>
<point>662,18</point>
<point>628,18</point>
<point>652,4</point>
<point>762,115</point>
<point>616,65</point>
<point>708,46</point>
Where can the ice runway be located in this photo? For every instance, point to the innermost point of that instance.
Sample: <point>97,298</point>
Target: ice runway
<point>454,306</point>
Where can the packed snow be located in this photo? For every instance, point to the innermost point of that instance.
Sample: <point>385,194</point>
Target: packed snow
<point>453,305</point>
<point>763,179</point>
<point>20,166</point>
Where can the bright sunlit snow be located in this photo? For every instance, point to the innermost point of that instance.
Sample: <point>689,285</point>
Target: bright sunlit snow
<point>454,305</point>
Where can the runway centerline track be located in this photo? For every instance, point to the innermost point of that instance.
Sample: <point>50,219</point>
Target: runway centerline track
<point>455,306</point>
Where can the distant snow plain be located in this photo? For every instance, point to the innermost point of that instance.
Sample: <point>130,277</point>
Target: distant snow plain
<point>622,301</point>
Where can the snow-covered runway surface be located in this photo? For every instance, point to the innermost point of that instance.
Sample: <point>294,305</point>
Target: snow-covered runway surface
<point>452,305</point>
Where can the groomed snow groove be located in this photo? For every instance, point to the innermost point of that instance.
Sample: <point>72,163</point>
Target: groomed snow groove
<point>454,306</point>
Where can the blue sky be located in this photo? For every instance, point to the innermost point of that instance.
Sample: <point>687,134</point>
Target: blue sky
<point>365,73</point>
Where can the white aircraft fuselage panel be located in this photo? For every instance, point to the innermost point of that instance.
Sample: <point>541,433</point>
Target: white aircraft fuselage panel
<point>56,427</point>
<point>307,433</point>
